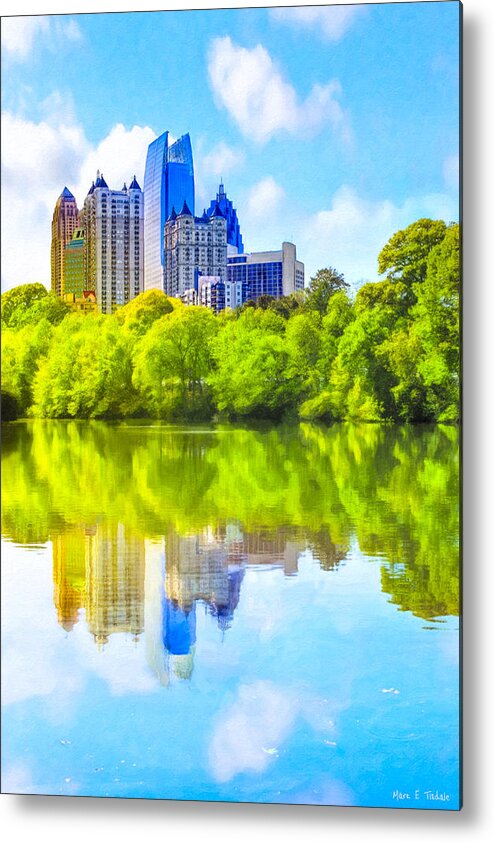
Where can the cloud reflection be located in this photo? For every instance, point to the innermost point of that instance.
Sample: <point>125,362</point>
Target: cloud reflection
<point>249,734</point>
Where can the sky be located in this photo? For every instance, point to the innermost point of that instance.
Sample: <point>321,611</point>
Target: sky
<point>331,126</point>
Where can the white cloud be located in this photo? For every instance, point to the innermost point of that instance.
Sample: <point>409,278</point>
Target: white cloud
<point>451,172</point>
<point>264,198</point>
<point>37,156</point>
<point>249,734</point>
<point>221,160</point>
<point>38,160</point>
<point>249,85</point>
<point>210,166</point>
<point>20,34</point>
<point>348,232</point>
<point>351,233</point>
<point>119,156</point>
<point>329,22</point>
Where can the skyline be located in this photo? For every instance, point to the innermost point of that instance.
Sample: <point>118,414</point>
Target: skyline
<point>269,97</point>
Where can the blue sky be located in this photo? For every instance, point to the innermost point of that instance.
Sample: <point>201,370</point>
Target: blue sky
<point>331,126</point>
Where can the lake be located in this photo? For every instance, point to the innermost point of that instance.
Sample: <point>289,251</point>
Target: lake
<point>234,614</point>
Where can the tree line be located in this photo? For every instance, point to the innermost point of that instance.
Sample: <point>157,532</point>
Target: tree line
<point>388,352</point>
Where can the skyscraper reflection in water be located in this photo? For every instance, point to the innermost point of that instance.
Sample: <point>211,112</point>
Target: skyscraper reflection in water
<point>125,584</point>
<point>100,569</point>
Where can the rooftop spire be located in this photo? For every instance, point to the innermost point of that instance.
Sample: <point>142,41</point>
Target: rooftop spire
<point>66,194</point>
<point>185,210</point>
<point>217,211</point>
<point>100,181</point>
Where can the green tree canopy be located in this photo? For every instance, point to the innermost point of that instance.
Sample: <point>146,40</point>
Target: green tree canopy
<point>324,284</point>
<point>251,374</point>
<point>142,311</point>
<point>173,361</point>
<point>16,301</point>
<point>404,257</point>
<point>389,352</point>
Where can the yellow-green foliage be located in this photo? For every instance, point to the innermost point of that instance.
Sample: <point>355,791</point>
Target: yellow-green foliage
<point>393,488</point>
<point>389,353</point>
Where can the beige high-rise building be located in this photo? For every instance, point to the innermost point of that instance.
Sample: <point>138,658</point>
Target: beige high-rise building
<point>64,223</point>
<point>113,222</point>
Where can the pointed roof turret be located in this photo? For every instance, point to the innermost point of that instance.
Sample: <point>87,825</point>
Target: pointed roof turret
<point>100,181</point>
<point>91,189</point>
<point>217,211</point>
<point>134,185</point>
<point>172,216</point>
<point>205,216</point>
<point>185,210</point>
<point>124,188</point>
<point>66,194</point>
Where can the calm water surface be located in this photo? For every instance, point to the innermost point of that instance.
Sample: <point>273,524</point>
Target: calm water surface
<point>231,614</point>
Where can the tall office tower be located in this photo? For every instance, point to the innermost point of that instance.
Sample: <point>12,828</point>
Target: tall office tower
<point>113,221</point>
<point>193,246</point>
<point>75,265</point>
<point>65,221</point>
<point>233,235</point>
<point>168,183</point>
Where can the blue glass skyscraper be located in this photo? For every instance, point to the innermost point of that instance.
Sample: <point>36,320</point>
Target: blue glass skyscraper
<point>168,182</point>
<point>233,235</point>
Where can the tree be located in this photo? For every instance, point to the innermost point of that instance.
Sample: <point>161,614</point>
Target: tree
<point>142,311</point>
<point>264,301</point>
<point>324,284</point>
<point>437,320</point>
<point>173,361</point>
<point>326,402</point>
<point>402,355</point>
<point>16,301</point>
<point>391,352</point>
<point>404,257</point>
<point>49,307</point>
<point>303,338</point>
<point>87,372</point>
<point>251,376</point>
<point>392,295</point>
<point>287,305</point>
<point>359,379</point>
<point>22,352</point>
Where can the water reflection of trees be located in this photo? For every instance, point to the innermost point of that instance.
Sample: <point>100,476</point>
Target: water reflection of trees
<point>394,488</point>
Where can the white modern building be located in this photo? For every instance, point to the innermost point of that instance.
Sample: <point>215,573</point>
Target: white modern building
<point>275,273</point>
<point>113,221</point>
<point>214,293</point>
